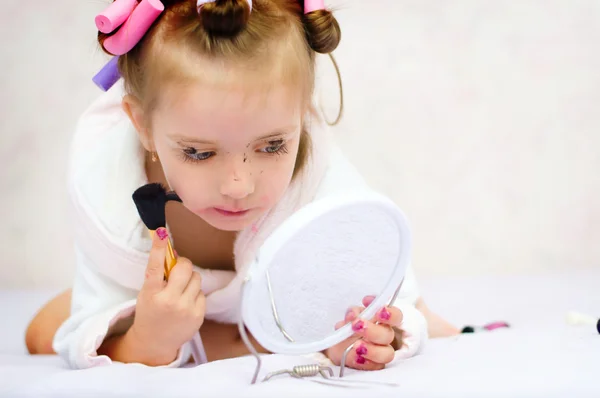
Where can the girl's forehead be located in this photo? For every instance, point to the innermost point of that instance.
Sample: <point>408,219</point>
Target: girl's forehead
<point>213,113</point>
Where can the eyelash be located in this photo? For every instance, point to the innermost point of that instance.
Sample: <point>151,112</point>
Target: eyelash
<point>280,147</point>
<point>189,153</point>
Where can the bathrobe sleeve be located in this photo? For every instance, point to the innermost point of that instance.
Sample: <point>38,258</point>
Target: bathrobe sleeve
<point>414,324</point>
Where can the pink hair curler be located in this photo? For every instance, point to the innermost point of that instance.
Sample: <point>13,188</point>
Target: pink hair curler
<point>114,15</point>
<point>140,20</point>
<point>313,5</point>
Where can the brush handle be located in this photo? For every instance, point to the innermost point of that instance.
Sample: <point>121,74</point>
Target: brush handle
<point>170,258</point>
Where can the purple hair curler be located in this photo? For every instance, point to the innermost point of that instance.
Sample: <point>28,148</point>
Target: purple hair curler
<point>108,75</point>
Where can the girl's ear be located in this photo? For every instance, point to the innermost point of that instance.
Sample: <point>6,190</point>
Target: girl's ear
<point>133,108</point>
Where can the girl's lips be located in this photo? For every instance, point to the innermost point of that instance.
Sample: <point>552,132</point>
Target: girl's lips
<point>231,213</point>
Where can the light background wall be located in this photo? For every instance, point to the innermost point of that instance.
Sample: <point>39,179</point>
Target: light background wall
<point>479,118</point>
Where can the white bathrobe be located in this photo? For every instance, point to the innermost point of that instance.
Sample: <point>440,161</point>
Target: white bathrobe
<point>112,244</point>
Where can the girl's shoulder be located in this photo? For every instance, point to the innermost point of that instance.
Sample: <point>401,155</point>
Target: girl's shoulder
<point>106,165</point>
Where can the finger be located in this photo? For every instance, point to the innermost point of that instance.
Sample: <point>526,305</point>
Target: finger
<point>180,277</point>
<point>374,333</point>
<point>352,313</point>
<point>367,300</point>
<point>155,269</point>
<point>381,354</point>
<point>193,287</point>
<point>356,361</point>
<point>390,316</point>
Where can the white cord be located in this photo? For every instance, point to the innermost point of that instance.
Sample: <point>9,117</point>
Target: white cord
<point>198,351</point>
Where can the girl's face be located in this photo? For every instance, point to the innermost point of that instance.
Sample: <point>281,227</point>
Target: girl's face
<point>229,154</point>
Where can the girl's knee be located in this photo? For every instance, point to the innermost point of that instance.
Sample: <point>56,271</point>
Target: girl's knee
<point>42,328</point>
<point>37,338</point>
<point>436,325</point>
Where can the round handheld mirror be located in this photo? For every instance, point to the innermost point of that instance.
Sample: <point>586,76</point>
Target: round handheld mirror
<point>323,259</point>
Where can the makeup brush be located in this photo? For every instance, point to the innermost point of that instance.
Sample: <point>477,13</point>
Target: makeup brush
<point>151,200</point>
<point>485,328</point>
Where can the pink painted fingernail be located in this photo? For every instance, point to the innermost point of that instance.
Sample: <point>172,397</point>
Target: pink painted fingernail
<point>358,326</point>
<point>361,350</point>
<point>384,314</point>
<point>162,233</point>
<point>368,300</point>
<point>361,360</point>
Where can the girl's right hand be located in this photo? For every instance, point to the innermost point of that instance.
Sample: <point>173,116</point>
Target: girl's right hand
<point>167,313</point>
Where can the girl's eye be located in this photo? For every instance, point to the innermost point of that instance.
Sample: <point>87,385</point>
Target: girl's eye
<point>276,147</point>
<point>194,155</point>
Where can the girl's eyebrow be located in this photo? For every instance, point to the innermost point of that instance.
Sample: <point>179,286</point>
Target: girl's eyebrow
<point>194,140</point>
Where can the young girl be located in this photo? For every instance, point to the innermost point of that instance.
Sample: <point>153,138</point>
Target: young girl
<point>217,105</point>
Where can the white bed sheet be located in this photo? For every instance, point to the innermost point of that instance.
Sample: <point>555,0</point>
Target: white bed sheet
<point>539,356</point>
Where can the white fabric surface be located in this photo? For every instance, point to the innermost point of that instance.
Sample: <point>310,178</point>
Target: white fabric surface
<point>540,356</point>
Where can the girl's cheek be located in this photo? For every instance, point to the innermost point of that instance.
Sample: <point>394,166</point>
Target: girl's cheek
<point>264,200</point>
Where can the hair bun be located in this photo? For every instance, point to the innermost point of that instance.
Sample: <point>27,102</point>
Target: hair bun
<point>224,18</point>
<point>322,31</point>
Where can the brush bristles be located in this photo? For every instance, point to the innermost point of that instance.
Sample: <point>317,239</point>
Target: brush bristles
<point>150,201</point>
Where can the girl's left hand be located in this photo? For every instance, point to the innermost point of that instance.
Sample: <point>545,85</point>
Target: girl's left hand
<point>377,347</point>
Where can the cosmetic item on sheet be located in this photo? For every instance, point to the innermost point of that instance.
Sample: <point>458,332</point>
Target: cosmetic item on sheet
<point>151,200</point>
<point>577,318</point>
<point>485,328</point>
<point>309,373</point>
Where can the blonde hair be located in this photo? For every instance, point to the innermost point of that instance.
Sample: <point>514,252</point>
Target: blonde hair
<point>274,42</point>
